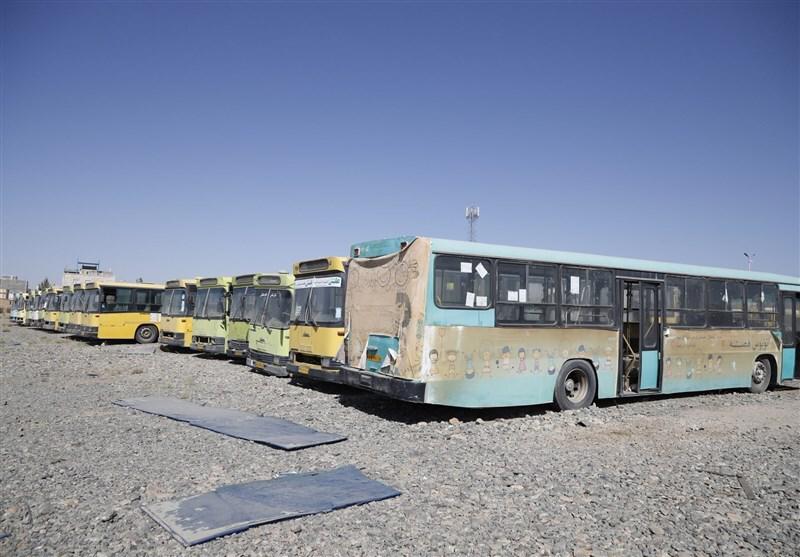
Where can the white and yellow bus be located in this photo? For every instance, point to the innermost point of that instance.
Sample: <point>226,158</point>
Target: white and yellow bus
<point>122,311</point>
<point>64,306</point>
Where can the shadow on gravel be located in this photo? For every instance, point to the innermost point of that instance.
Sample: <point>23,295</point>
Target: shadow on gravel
<point>411,413</point>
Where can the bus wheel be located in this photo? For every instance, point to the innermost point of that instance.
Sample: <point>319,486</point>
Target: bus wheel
<point>575,385</point>
<point>146,334</point>
<point>762,374</point>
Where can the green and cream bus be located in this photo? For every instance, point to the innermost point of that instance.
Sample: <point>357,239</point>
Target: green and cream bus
<point>268,340</point>
<point>243,303</point>
<point>477,325</point>
<point>210,318</point>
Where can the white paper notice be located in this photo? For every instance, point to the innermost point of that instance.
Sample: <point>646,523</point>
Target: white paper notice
<point>512,296</point>
<point>470,300</point>
<point>523,295</point>
<point>466,267</point>
<point>574,285</point>
<point>481,270</point>
<point>338,313</point>
<point>482,301</point>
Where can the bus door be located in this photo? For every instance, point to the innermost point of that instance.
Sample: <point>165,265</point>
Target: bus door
<point>641,350</point>
<point>790,365</point>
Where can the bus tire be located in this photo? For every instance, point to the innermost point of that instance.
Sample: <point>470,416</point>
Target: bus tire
<point>146,334</point>
<point>761,376</point>
<point>576,385</point>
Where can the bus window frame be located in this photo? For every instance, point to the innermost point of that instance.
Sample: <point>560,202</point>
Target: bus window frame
<point>526,324</point>
<point>473,259</point>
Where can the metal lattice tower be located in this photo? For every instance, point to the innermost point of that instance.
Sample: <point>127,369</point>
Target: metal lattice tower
<point>473,213</point>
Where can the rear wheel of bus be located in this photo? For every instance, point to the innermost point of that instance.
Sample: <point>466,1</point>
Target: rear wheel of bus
<point>146,334</point>
<point>576,385</point>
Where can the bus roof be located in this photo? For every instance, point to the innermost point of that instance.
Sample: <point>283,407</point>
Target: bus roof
<point>275,279</point>
<point>180,283</point>
<point>331,263</point>
<point>101,284</point>
<point>208,282</point>
<point>66,288</point>
<point>377,248</point>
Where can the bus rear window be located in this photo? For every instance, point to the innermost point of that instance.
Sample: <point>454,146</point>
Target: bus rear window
<point>462,282</point>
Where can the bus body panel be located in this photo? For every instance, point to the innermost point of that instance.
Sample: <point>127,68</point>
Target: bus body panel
<point>322,342</point>
<point>788,357</point>
<point>117,325</point>
<point>707,359</point>
<point>176,330</point>
<point>210,335</point>
<point>267,347</point>
<point>476,367</point>
<point>237,338</point>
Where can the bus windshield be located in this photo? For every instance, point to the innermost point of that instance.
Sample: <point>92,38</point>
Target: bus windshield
<point>66,301</point>
<point>92,300</point>
<point>243,302</point>
<point>277,310</point>
<point>173,303</point>
<point>210,303</point>
<point>319,300</point>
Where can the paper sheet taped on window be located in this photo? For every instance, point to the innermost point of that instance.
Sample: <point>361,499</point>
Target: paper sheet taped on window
<point>470,302</point>
<point>481,270</point>
<point>466,267</point>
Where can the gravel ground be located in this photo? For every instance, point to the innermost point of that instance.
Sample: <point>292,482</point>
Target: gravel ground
<point>716,474</point>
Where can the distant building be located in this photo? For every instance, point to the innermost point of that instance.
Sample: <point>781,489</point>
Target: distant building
<point>10,287</point>
<point>85,272</point>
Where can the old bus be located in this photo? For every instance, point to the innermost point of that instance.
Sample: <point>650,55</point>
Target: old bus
<point>122,311</point>
<point>268,341</point>
<point>317,325</point>
<point>51,308</point>
<point>20,308</point>
<point>210,318</point>
<point>177,307</point>
<point>243,302</point>
<point>477,325</point>
<point>64,308</point>
<point>76,307</point>
<point>37,301</point>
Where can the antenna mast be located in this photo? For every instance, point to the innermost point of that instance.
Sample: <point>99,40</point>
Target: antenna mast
<point>473,213</point>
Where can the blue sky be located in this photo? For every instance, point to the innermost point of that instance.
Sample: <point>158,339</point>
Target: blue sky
<point>181,139</point>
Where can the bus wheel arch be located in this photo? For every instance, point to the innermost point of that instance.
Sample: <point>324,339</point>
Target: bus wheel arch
<point>146,334</point>
<point>576,385</point>
<point>764,373</point>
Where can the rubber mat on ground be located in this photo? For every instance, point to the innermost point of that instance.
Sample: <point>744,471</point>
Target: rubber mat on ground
<point>234,508</point>
<point>269,430</point>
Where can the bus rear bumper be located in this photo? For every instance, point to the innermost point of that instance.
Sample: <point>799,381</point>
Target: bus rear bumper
<point>394,387</point>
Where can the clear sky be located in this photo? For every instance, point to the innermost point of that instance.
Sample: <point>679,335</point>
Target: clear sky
<point>172,139</point>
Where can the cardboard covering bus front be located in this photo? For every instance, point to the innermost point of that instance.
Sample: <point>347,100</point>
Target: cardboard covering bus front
<point>386,299</point>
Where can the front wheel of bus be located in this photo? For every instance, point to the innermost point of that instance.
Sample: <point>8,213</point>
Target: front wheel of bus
<point>576,385</point>
<point>146,334</point>
<point>762,375</point>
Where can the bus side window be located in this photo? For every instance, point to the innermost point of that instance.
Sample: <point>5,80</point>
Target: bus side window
<point>762,305</point>
<point>462,282</point>
<point>725,303</point>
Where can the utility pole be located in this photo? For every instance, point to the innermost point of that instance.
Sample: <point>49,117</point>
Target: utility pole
<point>750,257</point>
<point>473,213</point>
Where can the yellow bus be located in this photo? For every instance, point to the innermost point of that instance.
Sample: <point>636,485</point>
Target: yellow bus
<point>64,306</point>
<point>20,308</point>
<point>317,327</point>
<point>177,307</point>
<point>268,339</point>
<point>52,307</point>
<point>77,304</point>
<point>122,311</point>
